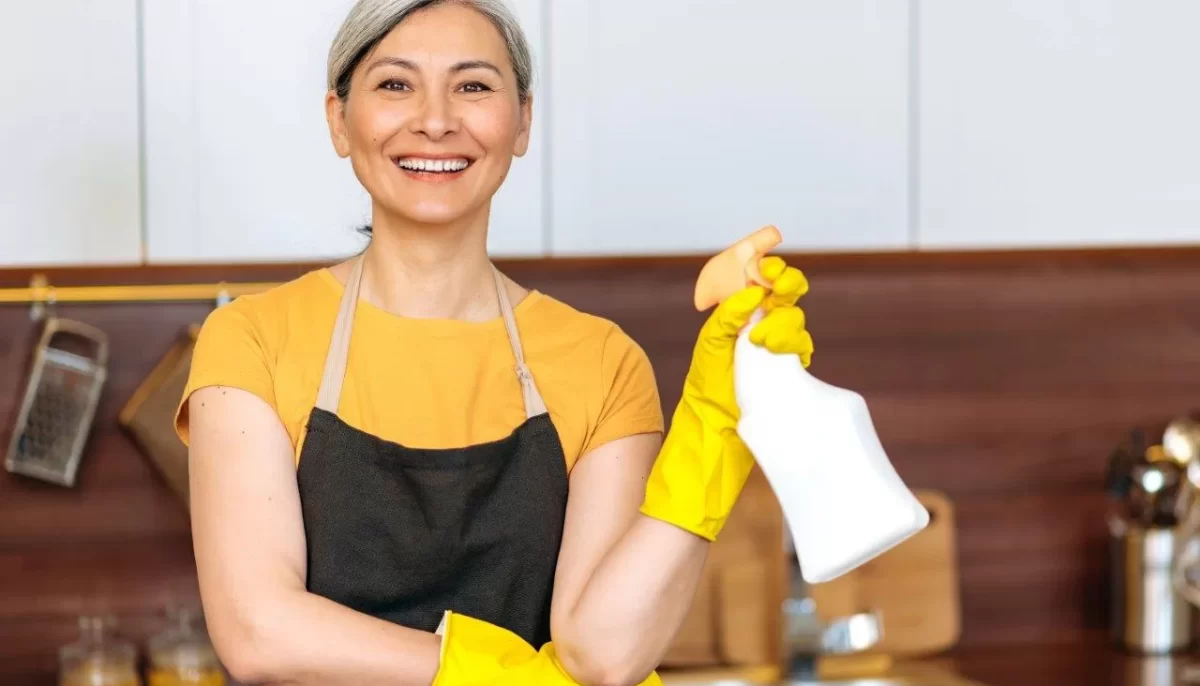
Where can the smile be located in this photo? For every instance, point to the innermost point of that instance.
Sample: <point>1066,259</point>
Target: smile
<point>429,166</point>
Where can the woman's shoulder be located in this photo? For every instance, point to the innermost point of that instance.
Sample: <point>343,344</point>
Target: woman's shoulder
<point>560,323</point>
<point>605,369</point>
<point>240,344</point>
<point>563,335</point>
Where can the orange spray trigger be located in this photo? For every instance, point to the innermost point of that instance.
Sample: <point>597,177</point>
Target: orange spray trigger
<point>735,268</point>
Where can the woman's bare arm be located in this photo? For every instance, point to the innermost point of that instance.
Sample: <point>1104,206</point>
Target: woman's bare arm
<point>625,581</point>
<point>249,542</point>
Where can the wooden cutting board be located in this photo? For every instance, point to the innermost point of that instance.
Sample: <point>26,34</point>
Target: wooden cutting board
<point>914,586</point>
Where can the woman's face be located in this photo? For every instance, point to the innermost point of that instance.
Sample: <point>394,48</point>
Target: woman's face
<point>433,118</point>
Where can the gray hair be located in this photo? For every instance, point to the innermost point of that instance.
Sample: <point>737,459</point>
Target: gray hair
<point>370,21</point>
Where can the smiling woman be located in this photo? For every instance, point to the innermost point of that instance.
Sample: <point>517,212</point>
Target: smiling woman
<point>439,91</point>
<point>406,468</point>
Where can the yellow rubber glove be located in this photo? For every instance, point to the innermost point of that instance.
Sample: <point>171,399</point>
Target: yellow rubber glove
<point>477,652</point>
<point>703,464</point>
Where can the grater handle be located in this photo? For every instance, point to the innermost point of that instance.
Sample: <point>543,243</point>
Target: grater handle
<point>95,336</point>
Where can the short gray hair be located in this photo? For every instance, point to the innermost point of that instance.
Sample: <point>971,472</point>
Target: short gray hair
<point>370,21</point>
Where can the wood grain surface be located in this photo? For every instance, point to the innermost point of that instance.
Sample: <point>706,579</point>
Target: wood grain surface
<point>1001,379</point>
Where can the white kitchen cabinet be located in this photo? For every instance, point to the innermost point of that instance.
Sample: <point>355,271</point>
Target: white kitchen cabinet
<point>69,172</point>
<point>239,163</point>
<point>1058,123</point>
<point>678,127</point>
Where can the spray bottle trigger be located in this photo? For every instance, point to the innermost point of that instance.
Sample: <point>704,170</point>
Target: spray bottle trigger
<point>735,268</point>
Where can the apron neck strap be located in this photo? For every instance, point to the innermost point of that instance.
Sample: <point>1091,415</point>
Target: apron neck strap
<point>339,346</point>
<point>533,399</point>
<point>330,391</point>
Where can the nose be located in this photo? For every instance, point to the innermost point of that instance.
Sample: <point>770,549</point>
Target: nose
<point>435,117</point>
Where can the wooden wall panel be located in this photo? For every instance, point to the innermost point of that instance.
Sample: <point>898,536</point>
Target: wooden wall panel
<point>1003,380</point>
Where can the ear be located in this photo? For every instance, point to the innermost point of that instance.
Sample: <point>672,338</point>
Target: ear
<point>526,122</point>
<point>335,115</point>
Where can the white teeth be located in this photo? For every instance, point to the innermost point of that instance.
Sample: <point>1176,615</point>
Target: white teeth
<point>436,166</point>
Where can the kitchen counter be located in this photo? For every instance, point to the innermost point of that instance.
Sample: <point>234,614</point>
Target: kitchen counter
<point>1092,662</point>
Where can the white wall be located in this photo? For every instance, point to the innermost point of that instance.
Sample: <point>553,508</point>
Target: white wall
<point>1059,123</point>
<point>678,131</point>
<point>69,154</point>
<point>238,159</point>
<point>661,126</point>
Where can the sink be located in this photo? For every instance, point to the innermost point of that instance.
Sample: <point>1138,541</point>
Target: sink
<point>902,675</point>
<point>873,681</point>
<point>932,679</point>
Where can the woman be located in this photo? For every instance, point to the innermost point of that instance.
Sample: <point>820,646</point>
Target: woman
<point>473,487</point>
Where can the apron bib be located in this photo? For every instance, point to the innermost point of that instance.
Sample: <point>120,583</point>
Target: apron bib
<point>405,534</point>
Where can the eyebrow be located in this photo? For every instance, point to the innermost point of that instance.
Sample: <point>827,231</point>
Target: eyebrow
<point>458,67</point>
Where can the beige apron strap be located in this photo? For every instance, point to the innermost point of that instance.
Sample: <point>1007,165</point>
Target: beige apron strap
<point>330,392</point>
<point>534,405</point>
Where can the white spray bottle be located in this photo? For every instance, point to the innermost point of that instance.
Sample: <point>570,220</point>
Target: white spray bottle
<point>816,444</point>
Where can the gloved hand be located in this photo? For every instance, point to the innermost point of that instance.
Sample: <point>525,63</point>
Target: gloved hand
<point>477,652</point>
<point>703,464</point>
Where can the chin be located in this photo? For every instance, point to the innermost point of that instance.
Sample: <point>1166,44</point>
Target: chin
<point>435,214</point>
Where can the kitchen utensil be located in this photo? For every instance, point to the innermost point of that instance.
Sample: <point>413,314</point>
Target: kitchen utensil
<point>1181,440</point>
<point>1155,454</point>
<point>149,415</point>
<point>1186,571</point>
<point>914,588</point>
<point>1176,498</point>
<point>1171,503</point>
<point>1118,478</point>
<point>1158,486</point>
<point>1148,614</point>
<point>1139,502</point>
<point>60,402</point>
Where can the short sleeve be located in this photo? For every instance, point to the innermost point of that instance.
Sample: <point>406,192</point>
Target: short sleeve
<point>230,351</point>
<point>631,403</point>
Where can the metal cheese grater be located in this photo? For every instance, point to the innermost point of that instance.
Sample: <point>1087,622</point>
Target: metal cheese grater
<point>59,404</point>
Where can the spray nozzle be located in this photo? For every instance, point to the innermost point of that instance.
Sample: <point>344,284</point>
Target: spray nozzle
<point>734,268</point>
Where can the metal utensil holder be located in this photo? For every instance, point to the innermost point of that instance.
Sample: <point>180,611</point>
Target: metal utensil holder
<point>1149,615</point>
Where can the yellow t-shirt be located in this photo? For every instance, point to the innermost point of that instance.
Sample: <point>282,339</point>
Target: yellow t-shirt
<point>428,383</point>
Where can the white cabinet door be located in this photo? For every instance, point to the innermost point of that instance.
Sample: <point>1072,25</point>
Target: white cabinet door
<point>1058,122</point>
<point>69,173</point>
<point>239,162</point>
<point>680,126</point>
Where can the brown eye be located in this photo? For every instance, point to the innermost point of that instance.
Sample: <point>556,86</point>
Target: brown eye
<point>476,87</point>
<point>393,85</point>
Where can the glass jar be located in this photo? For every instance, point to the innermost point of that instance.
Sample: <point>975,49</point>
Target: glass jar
<point>182,655</point>
<point>99,657</point>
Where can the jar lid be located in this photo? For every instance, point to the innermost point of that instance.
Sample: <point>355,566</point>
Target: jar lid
<point>184,643</point>
<point>98,643</point>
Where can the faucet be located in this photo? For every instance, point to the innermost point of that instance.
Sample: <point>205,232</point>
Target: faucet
<point>801,627</point>
<point>806,637</point>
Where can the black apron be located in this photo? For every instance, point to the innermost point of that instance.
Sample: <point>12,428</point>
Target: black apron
<point>405,534</point>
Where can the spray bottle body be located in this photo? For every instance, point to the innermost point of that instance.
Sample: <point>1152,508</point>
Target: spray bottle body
<point>816,444</point>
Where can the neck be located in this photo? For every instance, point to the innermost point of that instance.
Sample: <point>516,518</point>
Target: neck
<point>430,272</point>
